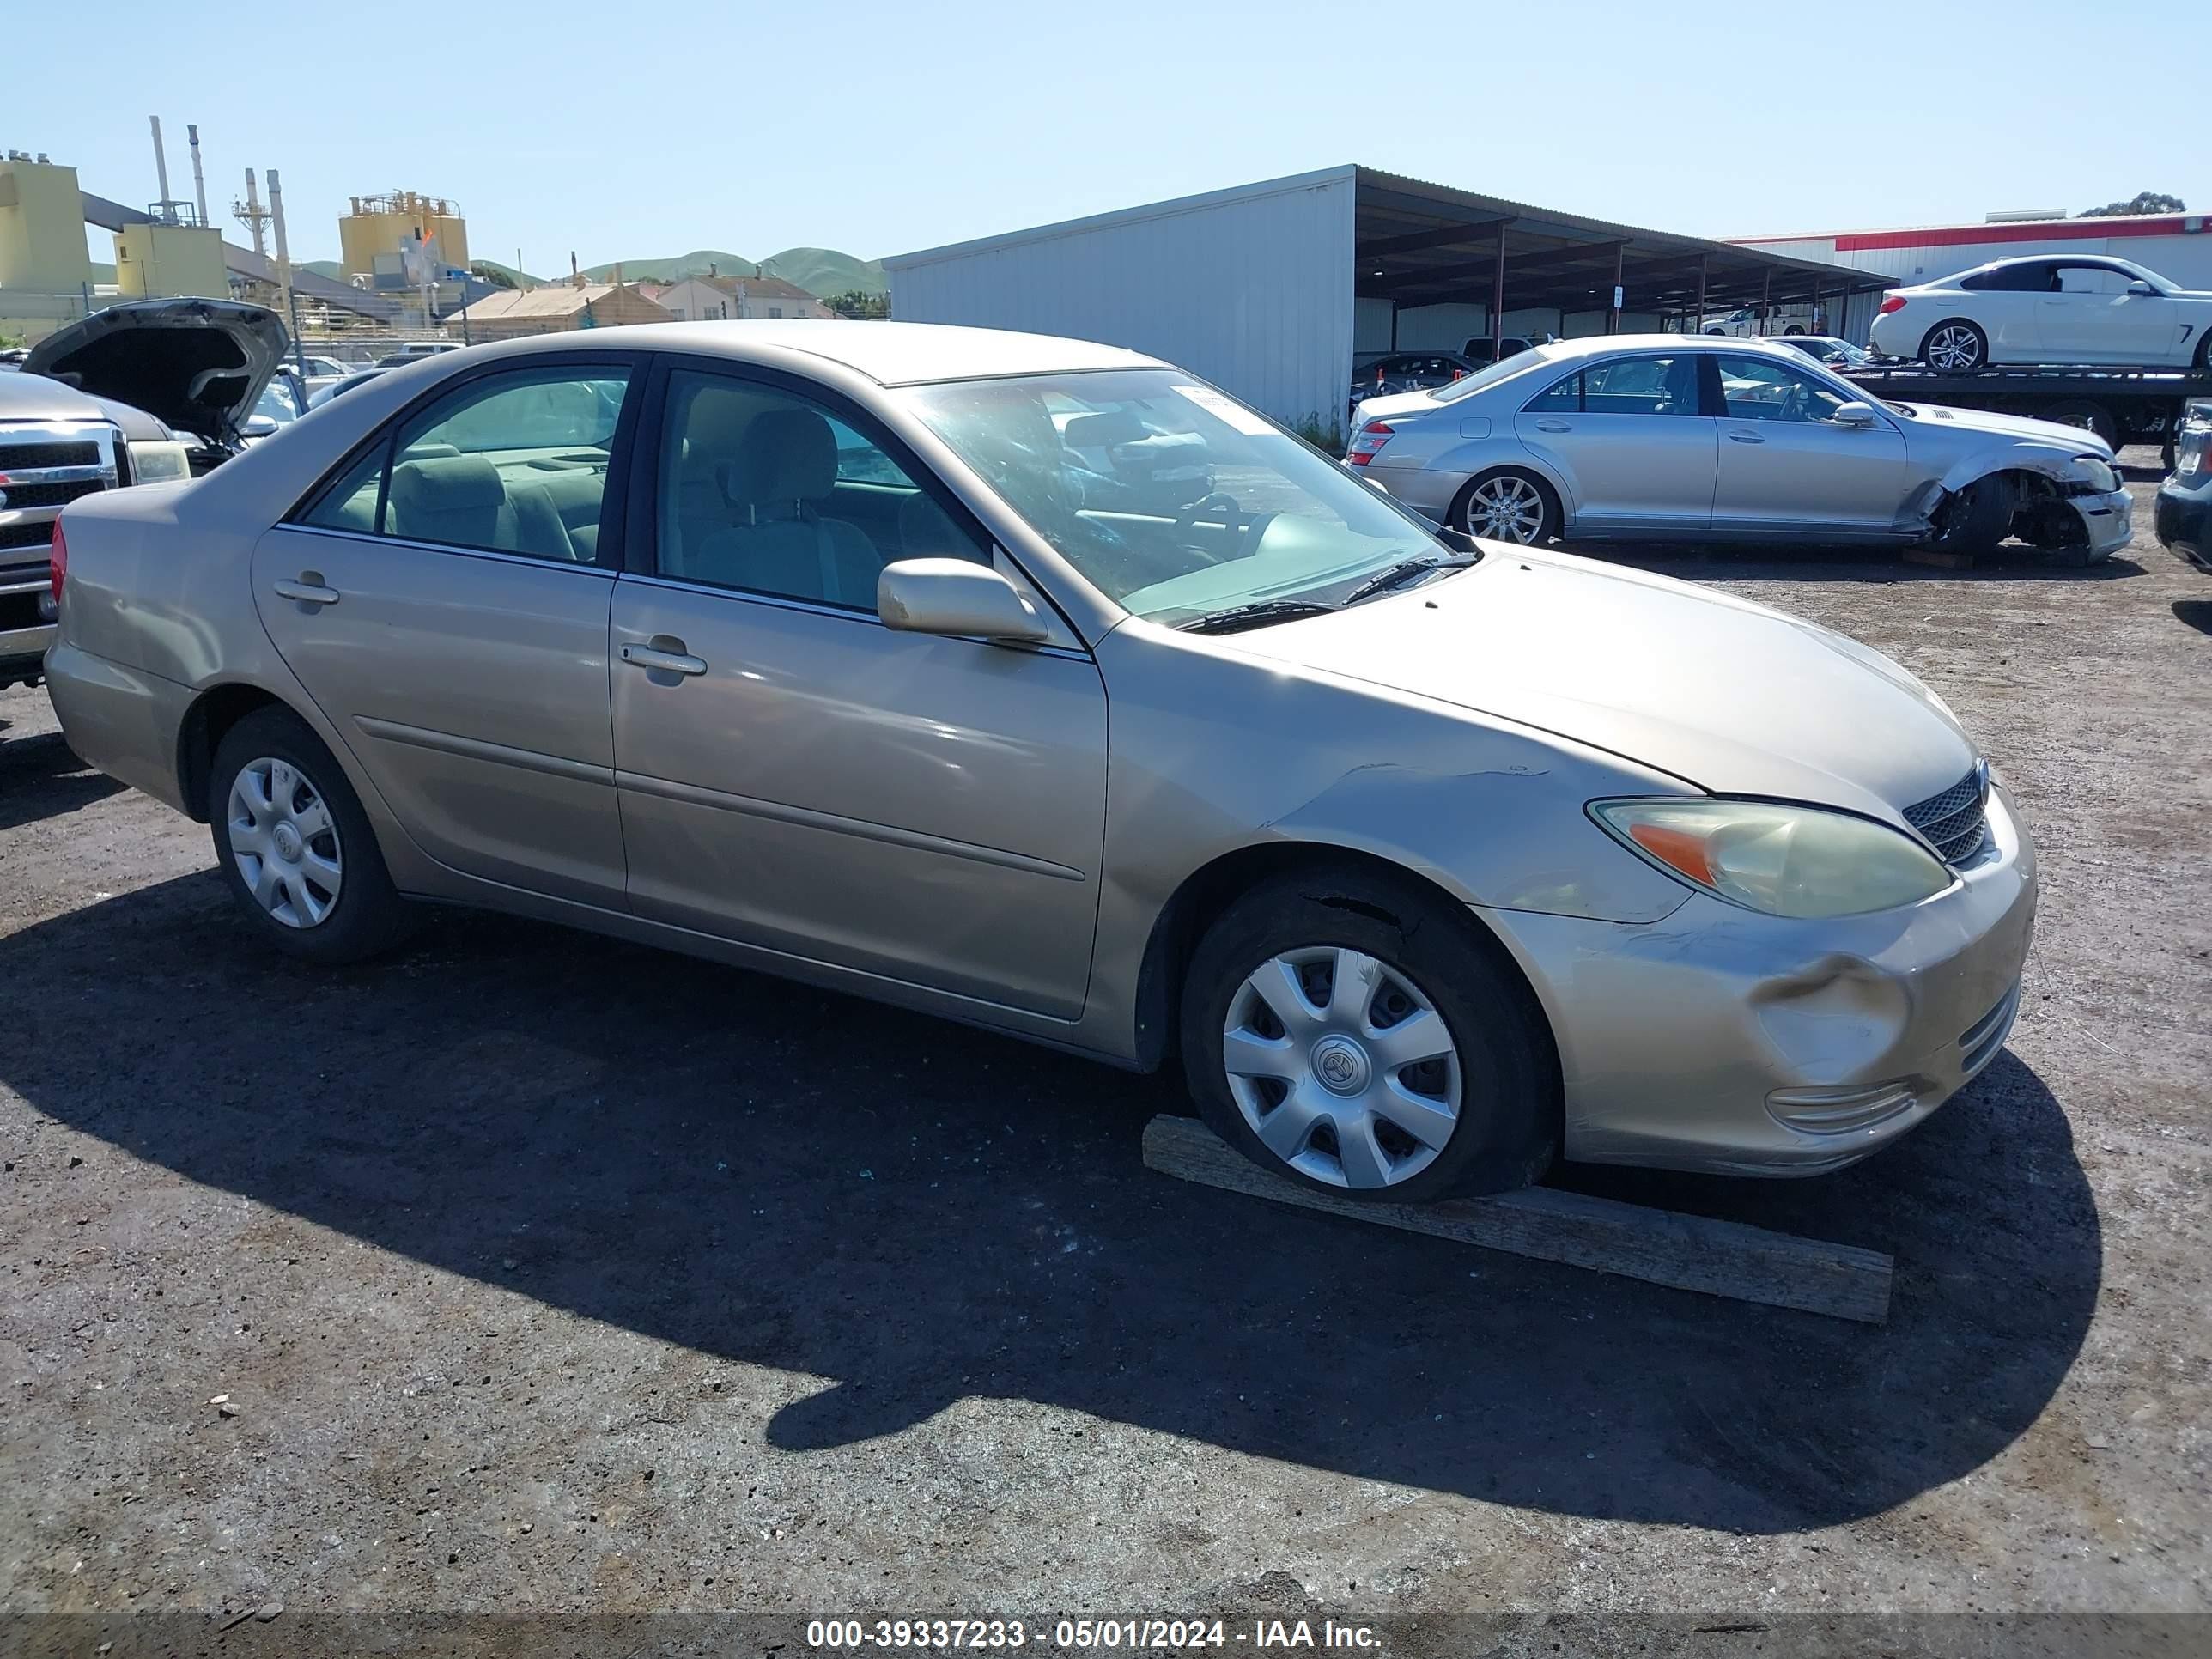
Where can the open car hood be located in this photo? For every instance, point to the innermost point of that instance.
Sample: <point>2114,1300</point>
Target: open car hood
<point>196,365</point>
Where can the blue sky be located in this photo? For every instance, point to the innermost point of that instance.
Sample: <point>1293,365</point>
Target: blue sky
<point>648,130</point>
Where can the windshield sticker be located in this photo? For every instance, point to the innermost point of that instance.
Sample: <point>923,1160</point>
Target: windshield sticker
<point>1224,408</point>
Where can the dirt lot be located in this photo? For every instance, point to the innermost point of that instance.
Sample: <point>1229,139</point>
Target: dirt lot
<point>541,1273</point>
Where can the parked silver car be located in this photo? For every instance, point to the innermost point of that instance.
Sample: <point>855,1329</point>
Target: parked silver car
<point>807,648</point>
<point>1659,437</point>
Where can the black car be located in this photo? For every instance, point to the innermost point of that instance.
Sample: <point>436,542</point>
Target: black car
<point>1409,371</point>
<point>2183,517</point>
<point>1826,348</point>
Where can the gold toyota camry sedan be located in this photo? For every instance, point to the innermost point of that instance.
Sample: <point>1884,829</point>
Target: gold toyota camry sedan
<point>1044,686</point>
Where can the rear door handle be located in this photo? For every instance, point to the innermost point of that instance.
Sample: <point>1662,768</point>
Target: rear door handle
<point>1553,426</point>
<point>1746,438</point>
<point>667,662</point>
<point>308,590</point>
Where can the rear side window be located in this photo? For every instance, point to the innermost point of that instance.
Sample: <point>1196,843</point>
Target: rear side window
<point>2034,277</point>
<point>1564,398</point>
<point>513,463</point>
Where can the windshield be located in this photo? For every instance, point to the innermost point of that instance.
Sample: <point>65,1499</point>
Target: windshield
<point>1170,496</point>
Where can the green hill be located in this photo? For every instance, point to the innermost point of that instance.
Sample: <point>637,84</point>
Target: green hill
<point>820,271</point>
<point>330,268</point>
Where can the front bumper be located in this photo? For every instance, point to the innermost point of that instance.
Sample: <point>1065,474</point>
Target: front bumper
<point>2182,519</point>
<point>2109,519</point>
<point>1723,1040</point>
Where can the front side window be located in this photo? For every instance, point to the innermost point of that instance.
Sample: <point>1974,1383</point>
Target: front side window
<point>1564,398</point>
<point>2092,279</point>
<point>1170,497</point>
<point>765,491</point>
<point>513,463</point>
<point>1757,389</point>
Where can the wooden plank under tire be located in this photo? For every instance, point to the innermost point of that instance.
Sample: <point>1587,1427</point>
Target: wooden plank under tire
<point>1662,1247</point>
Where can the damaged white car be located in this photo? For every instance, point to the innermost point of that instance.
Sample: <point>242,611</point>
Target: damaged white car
<point>1668,437</point>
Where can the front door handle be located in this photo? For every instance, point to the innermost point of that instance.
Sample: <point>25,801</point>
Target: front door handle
<point>1746,438</point>
<point>308,590</point>
<point>653,658</point>
<point>1553,426</point>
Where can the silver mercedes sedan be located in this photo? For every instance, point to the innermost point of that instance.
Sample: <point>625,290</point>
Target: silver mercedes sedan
<point>1043,686</point>
<point>1668,437</point>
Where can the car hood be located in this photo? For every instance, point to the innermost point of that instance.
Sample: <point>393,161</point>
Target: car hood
<point>196,365</point>
<point>2074,439</point>
<point>1729,695</point>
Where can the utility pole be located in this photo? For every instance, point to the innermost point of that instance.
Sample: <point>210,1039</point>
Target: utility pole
<point>251,214</point>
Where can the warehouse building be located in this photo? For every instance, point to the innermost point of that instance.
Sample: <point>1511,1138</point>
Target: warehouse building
<point>2174,245</point>
<point>1275,291</point>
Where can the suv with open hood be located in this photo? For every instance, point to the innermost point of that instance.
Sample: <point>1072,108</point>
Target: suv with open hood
<point>198,366</point>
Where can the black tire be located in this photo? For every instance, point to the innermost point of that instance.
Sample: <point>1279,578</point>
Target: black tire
<point>1508,1114</point>
<point>1792,329</point>
<point>368,915</point>
<point>2205,350</point>
<point>2091,416</point>
<point>1976,345</point>
<point>1973,520</point>
<point>1549,520</point>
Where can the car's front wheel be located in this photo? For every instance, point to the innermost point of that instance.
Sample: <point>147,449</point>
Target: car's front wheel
<point>295,847</point>
<point>1508,505</point>
<point>1344,1031</point>
<point>1956,344</point>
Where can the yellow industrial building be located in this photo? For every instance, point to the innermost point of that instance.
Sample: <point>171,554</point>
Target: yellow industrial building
<point>42,248</point>
<point>383,225</point>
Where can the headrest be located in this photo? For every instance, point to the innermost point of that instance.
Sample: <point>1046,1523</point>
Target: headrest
<point>1102,431</point>
<point>446,485</point>
<point>787,455</point>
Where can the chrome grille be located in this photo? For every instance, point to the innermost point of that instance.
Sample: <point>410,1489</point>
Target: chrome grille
<point>1954,821</point>
<point>30,457</point>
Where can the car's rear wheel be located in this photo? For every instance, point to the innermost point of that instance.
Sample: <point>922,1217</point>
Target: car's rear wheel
<point>295,847</point>
<point>1954,343</point>
<point>1508,505</point>
<point>1342,1030</point>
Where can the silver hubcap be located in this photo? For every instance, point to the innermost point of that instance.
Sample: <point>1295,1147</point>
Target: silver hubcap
<point>285,842</point>
<point>1953,348</point>
<point>1342,1067</point>
<point>1505,510</point>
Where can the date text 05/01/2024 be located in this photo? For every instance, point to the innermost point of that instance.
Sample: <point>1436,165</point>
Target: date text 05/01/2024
<point>1107,1635</point>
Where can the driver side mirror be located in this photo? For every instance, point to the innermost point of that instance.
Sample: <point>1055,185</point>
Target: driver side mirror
<point>1853,414</point>
<point>2141,289</point>
<point>957,597</point>
<point>257,426</point>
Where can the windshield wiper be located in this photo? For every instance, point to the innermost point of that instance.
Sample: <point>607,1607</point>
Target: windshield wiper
<point>1258,614</point>
<point>1404,571</point>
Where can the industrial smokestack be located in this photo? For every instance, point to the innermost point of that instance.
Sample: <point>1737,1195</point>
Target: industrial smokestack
<point>160,163</point>
<point>290,312</point>
<point>199,179</point>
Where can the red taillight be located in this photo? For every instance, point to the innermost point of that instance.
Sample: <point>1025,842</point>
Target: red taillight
<point>1372,437</point>
<point>57,563</point>
<point>1891,302</point>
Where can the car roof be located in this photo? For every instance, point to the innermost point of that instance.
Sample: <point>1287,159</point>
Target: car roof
<point>1593,345</point>
<point>892,354</point>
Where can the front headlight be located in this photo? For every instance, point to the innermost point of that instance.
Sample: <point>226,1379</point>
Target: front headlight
<point>1798,861</point>
<point>156,460</point>
<point>2097,474</point>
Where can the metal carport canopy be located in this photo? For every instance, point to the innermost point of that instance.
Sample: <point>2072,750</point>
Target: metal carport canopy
<point>1417,243</point>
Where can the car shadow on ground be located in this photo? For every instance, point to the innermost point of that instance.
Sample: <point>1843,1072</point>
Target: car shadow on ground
<point>2014,562</point>
<point>792,1179</point>
<point>2198,613</point>
<point>40,777</point>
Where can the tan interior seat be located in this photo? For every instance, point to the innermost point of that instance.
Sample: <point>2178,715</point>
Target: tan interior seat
<point>461,501</point>
<point>777,538</point>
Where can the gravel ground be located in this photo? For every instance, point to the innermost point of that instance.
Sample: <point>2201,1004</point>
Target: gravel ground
<point>546,1272</point>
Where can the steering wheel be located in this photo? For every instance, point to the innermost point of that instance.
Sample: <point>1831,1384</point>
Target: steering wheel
<point>1186,520</point>
<point>1797,402</point>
